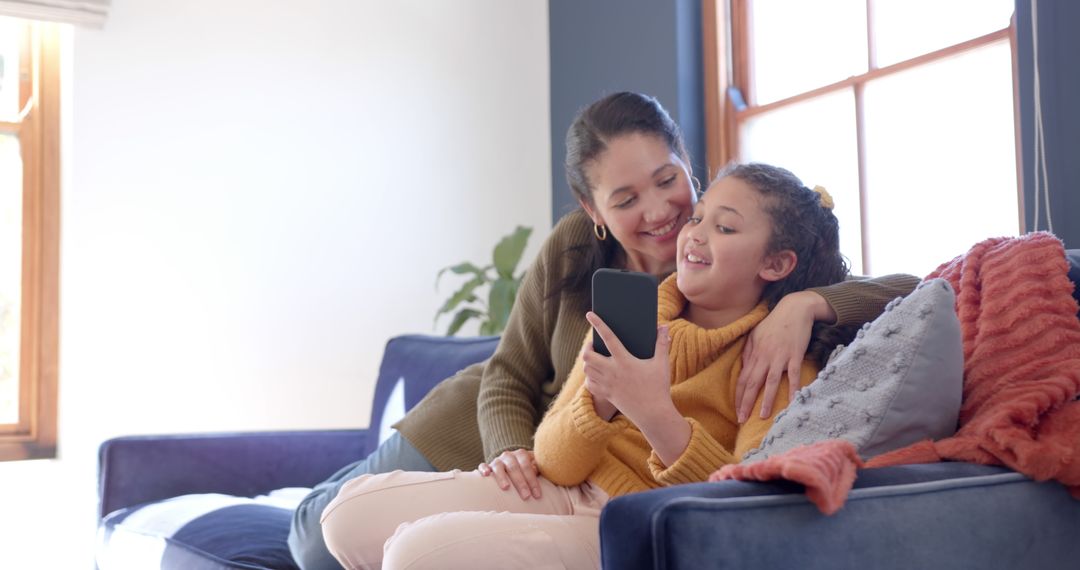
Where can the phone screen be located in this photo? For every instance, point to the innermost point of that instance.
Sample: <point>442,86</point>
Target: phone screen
<point>626,301</point>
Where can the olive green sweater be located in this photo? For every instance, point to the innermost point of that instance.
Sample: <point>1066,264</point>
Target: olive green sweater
<point>496,405</point>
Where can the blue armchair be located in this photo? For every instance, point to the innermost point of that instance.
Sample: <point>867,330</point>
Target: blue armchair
<point>941,515</point>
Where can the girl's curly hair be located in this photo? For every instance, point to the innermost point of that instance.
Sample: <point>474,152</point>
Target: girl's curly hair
<point>803,224</point>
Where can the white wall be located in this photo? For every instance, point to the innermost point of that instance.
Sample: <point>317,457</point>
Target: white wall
<point>257,196</point>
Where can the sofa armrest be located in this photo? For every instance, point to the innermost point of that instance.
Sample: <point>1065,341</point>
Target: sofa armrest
<point>140,469</point>
<point>945,515</point>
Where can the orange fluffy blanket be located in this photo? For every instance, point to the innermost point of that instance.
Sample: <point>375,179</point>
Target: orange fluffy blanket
<point>1021,376</point>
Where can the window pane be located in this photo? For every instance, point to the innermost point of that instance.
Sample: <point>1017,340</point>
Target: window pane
<point>11,31</point>
<point>10,275</point>
<point>799,45</point>
<point>904,29</point>
<point>941,160</point>
<point>816,140</point>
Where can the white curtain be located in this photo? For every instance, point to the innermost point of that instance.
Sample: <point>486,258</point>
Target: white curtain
<point>89,13</point>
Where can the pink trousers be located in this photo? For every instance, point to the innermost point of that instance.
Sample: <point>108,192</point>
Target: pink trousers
<point>461,520</point>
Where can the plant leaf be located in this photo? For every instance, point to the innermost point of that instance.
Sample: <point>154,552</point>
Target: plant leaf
<point>500,301</point>
<point>460,269</point>
<point>487,328</point>
<point>464,294</point>
<point>508,252</point>
<point>460,319</point>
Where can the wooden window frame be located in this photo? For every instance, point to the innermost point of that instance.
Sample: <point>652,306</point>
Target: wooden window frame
<point>34,436</point>
<point>729,100</point>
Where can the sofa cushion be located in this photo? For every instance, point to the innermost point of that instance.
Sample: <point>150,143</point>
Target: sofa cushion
<point>201,531</point>
<point>899,382</point>
<point>411,366</point>
<point>937,515</point>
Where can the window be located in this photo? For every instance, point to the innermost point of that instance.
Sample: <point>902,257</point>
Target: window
<point>29,238</point>
<point>903,109</point>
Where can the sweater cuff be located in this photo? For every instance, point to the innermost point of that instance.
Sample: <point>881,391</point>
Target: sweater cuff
<point>500,450</point>
<point>591,426</point>
<point>848,308</point>
<point>702,456</point>
<point>859,300</point>
<point>509,434</point>
<point>506,439</point>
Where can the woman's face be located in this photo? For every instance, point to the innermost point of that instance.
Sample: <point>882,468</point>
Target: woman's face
<point>722,257</point>
<point>642,193</point>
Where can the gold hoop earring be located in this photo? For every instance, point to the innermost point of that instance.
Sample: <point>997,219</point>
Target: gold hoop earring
<point>600,231</point>
<point>697,185</point>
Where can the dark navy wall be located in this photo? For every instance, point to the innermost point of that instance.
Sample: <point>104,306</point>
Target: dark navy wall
<point>605,46</point>
<point>1059,73</point>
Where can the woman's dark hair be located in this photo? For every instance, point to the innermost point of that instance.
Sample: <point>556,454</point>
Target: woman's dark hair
<point>588,137</point>
<point>803,224</point>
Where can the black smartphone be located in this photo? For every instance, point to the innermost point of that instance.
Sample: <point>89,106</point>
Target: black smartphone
<point>626,301</point>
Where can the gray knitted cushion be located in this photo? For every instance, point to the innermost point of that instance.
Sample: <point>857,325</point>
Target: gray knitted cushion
<point>899,382</point>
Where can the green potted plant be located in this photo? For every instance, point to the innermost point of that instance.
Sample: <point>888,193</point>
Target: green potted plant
<point>499,280</point>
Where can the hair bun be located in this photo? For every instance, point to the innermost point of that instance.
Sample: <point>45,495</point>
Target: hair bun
<point>824,196</point>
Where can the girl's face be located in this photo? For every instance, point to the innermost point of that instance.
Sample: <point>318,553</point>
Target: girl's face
<point>723,258</point>
<point>642,193</point>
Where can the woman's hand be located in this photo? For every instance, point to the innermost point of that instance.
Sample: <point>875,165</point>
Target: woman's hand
<point>778,344</point>
<point>515,467</point>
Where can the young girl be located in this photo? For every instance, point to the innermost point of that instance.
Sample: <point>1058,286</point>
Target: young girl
<point>620,424</point>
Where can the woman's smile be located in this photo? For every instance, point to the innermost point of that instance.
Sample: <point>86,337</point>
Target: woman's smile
<point>666,232</point>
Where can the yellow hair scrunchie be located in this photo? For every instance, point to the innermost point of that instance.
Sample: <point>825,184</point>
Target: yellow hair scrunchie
<point>825,197</point>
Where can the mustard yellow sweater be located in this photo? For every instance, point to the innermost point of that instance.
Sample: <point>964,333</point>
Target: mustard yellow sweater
<point>573,444</point>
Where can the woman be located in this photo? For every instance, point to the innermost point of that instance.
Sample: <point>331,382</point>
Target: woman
<point>620,425</point>
<point>627,166</point>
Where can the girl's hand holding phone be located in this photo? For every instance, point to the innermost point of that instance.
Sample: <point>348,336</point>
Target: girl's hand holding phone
<point>639,388</point>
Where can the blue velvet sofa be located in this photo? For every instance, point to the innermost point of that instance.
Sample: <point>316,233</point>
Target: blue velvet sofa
<point>948,515</point>
<point>139,474</point>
